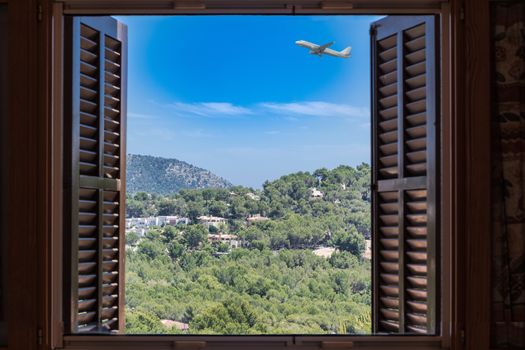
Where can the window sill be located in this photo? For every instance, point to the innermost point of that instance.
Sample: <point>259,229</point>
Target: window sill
<point>378,342</point>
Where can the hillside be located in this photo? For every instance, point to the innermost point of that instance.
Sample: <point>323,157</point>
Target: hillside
<point>263,276</point>
<point>345,199</point>
<point>167,176</point>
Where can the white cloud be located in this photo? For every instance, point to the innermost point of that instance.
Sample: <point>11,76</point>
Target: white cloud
<point>210,109</point>
<point>318,109</point>
<point>291,111</point>
<point>141,116</point>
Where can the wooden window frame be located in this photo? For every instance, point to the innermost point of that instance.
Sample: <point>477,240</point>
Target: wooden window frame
<point>276,341</point>
<point>34,169</point>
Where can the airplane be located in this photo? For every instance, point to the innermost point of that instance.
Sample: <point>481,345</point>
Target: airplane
<point>319,50</point>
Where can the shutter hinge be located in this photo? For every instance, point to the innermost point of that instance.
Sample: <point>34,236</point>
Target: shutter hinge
<point>39,12</point>
<point>462,337</point>
<point>462,13</point>
<point>40,336</point>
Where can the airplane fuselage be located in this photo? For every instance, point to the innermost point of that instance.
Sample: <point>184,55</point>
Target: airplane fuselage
<point>320,50</point>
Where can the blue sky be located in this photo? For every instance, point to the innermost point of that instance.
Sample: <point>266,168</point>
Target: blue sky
<point>235,95</point>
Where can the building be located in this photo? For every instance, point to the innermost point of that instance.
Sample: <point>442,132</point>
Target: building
<point>253,196</point>
<point>324,252</point>
<point>174,220</point>
<point>232,240</point>
<point>368,250</point>
<point>211,220</point>
<point>315,193</point>
<point>175,324</point>
<point>256,218</point>
<point>143,223</point>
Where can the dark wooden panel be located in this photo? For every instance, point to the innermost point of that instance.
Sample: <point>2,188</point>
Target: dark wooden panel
<point>26,174</point>
<point>3,182</point>
<point>477,125</point>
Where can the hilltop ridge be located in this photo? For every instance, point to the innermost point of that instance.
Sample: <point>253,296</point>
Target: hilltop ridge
<point>167,175</point>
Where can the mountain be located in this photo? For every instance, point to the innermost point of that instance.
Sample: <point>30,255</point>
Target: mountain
<point>167,176</point>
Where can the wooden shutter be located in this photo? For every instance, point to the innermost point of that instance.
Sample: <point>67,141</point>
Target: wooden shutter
<point>95,116</point>
<point>405,174</point>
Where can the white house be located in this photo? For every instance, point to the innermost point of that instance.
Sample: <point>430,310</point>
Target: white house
<point>232,240</point>
<point>253,196</point>
<point>256,218</point>
<point>315,193</point>
<point>211,220</point>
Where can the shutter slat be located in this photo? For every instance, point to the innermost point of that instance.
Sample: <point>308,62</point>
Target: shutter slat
<point>87,81</point>
<point>388,113</point>
<point>415,57</point>
<point>390,314</point>
<point>88,119</point>
<point>388,55</point>
<point>88,69</point>
<point>388,102</point>
<point>416,119</point>
<point>388,66</point>
<point>416,44</point>
<point>389,161</point>
<point>88,44</point>
<point>388,90</point>
<point>389,267</point>
<point>388,137</point>
<point>416,69</point>
<point>417,81</point>
<point>417,94</point>
<point>86,317</point>
<point>389,78</point>
<point>391,303</point>
<point>387,43</point>
<point>389,326</point>
<point>88,56</point>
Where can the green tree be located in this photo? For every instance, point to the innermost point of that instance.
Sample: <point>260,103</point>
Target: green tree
<point>141,322</point>
<point>195,235</point>
<point>350,241</point>
<point>233,316</point>
<point>152,249</point>
<point>132,238</point>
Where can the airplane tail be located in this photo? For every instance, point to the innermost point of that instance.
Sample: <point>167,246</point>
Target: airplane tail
<point>346,52</point>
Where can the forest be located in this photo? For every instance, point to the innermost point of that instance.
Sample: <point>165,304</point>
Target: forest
<point>178,281</point>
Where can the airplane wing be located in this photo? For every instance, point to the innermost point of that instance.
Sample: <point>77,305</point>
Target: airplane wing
<point>323,47</point>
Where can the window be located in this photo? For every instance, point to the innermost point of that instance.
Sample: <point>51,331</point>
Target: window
<point>405,114</point>
<point>35,175</point>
